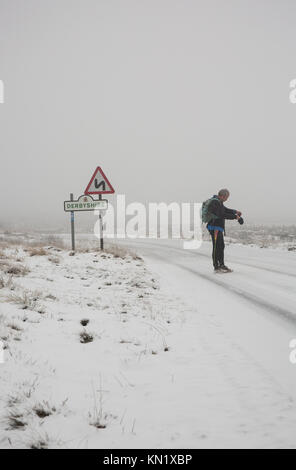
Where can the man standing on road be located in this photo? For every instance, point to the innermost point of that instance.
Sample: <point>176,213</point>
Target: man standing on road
<point>214,213</point>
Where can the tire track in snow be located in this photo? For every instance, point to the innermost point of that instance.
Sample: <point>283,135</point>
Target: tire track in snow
<point>276,310</point>
<point>290,316</point>
<point>191,252</point>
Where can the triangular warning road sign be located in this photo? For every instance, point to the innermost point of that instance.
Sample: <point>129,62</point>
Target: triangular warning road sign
<point>99,183</point>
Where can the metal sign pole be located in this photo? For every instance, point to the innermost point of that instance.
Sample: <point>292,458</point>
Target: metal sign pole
<point>72,225</point>
<point>101,227</point>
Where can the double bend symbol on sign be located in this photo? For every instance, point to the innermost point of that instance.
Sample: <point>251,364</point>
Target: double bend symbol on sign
<point>99,183</point>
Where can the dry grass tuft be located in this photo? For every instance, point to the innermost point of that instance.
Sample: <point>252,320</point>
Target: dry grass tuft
<point>14,326</point>
<point>38,251</point>
<point>43,410</point>
<point>42,440</point>
<point>120,252</point>
<point>86,337</point>
<point>27,300</point>
<point>16,269</point>
<point>15,420</point>
<point>40,444</point>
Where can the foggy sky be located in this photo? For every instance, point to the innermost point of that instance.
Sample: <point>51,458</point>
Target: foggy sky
<point>174,99</point>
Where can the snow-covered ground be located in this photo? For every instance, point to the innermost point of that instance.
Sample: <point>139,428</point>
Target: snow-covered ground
<point>178,357</point>
<point>107,392</point>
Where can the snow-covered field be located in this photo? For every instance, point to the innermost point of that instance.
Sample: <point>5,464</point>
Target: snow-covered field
<point>88,353</point>
<point>143,346</point>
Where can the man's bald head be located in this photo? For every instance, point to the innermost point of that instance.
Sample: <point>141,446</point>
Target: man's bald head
<point>223,194</point>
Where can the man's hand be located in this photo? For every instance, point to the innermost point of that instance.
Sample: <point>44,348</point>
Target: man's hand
<point>238,214</point>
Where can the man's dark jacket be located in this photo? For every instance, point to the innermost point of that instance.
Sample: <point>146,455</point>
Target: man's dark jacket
<point>217,207</point>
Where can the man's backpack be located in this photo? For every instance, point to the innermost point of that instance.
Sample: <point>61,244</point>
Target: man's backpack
<point>206,216</point>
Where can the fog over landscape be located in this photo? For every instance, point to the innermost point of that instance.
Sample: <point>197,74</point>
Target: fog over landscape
<point>174,100</point>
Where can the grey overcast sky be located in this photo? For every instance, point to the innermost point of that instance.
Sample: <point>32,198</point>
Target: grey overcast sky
<point>173,98</point>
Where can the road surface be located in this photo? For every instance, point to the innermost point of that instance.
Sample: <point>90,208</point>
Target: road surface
<point>243,323</point>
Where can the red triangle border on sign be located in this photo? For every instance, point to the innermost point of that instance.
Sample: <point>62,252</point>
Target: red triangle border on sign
<point>99,169</point>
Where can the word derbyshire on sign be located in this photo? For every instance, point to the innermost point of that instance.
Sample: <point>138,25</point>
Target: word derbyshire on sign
<point>85,203</point>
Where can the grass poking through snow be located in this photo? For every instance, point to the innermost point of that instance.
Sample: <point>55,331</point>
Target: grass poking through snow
<point>86,337</point>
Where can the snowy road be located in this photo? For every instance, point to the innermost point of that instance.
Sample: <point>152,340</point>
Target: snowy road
<point>269,284</point>
<point>245,321</point>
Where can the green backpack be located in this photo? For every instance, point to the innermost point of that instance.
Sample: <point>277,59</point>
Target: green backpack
<point>206,216</point>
